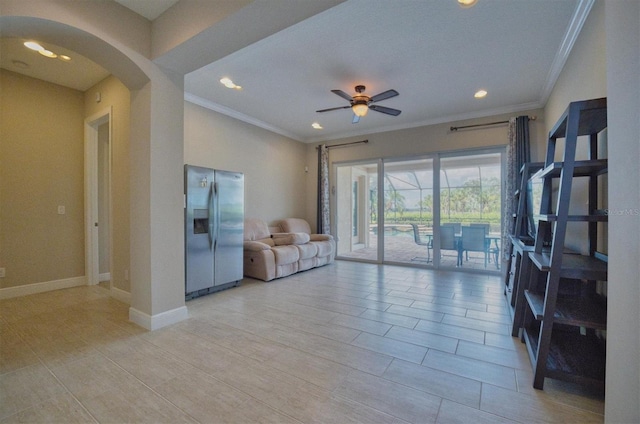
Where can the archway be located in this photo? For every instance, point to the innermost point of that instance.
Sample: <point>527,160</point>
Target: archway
<point>156,155</point>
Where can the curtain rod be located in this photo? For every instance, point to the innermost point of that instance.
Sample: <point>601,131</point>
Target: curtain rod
<point>533,118</point>
<point>345,144</point>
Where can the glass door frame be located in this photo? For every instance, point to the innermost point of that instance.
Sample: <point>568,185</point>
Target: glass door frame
<point>335,207</point>
<point>436,158</point>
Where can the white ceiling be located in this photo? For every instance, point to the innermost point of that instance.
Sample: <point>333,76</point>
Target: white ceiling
<point>150,9</point>
<point>80,73</point>
<point>433,52</point>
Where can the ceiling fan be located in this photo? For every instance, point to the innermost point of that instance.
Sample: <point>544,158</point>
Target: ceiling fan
<point>361,103</point>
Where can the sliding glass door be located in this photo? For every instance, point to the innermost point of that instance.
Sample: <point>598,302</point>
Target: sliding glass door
<point>356,216</point>
<point>415,211</point>
<point>471,196</point>
<point>408,211</point>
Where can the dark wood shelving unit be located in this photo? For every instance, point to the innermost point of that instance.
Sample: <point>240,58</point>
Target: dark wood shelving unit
<point>521,244</point>
<point>564,315</point>
<point>563,364</point>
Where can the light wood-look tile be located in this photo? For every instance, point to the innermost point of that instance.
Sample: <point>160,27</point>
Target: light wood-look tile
<point>455,413</point>
<point>471,368</point>
<point>445,385</point>
<point>61,408</point>
<point>348,342</point>
<point>396,399</point>
<point>26,387</point>
<point>532,408</point>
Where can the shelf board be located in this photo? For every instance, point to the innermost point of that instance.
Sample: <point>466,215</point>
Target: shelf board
<point>582,168</point>
<point>588,311</point>
<point>593,118</point>
<point>572,357</point>
<point>573,266</point>
<point>596,217</point>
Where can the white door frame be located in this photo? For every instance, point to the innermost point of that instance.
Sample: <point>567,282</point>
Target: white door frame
<point>91,250</point>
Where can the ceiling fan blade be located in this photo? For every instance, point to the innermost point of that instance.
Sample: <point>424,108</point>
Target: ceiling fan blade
<point>384,95</point>
<point>355,119</point>
<point>334,108</point>
<point>387,110</point>
<point>342,94</point>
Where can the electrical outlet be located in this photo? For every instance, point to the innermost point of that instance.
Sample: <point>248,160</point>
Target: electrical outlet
<point>2,272</point>
<point>61,210</point>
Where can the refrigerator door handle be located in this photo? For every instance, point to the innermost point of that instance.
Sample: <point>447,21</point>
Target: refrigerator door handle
<point>216,215</point>
<point>210,218</point>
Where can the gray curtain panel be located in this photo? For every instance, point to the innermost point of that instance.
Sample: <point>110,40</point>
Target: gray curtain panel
<point>323,223</point>
<point>518,153</point>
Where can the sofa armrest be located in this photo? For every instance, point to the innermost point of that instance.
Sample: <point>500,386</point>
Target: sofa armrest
<point>284,239</point>
<point>256,246</point>
<point>321,237</point>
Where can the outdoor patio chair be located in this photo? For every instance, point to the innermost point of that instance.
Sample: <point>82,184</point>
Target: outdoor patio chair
<point>420,242</point>
<point>473,240</point>
<point>448,241</point>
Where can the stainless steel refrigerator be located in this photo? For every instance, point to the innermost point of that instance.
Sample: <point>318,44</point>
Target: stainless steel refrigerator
<point>214,225</point>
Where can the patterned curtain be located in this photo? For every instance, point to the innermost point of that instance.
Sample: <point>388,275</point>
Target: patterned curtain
<point>517,155</point>
<point>323,225</point>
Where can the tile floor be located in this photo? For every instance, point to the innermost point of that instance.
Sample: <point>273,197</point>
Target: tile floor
<point>348,342</point>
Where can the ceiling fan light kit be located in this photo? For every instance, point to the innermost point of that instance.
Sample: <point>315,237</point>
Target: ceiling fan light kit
<point>361,103</point>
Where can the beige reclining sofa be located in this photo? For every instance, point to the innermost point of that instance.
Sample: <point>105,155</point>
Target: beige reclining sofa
<point>284,249</point>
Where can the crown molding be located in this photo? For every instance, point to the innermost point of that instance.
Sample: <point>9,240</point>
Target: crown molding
<point>573,31</point>
<point>208,104</point>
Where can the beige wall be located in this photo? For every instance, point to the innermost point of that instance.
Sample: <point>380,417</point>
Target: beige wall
<point>41,168</point>
<point>39,245</point>
<point>273,165</point>
<point>116,96</point>
<point>583,77</point>
<point>622,399</point>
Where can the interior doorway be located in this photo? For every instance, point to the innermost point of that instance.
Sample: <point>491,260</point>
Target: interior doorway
<point>98,237</point>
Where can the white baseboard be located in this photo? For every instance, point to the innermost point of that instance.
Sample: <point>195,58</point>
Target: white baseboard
<point>121,295</point>
<point>105,276</point>
<point>155,322</point>
<point>9,292</point>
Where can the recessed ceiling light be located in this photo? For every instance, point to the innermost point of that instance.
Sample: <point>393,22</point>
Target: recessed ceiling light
<point>316,126</point>
<point>48,53</point>
<point>467,3</point>
<point>33,46</point>
<point>480,94</point>
<point>64,57</point>
<point>230,84</point>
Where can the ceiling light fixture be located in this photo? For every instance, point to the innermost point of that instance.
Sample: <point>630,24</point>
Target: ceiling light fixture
<point>316,126</point>
<point>33,46</point>
<point>230,84</point>
<point>48,53</point>
<point>360,108</point>
<point>44,52</point>
<point>480,94</point>
<point>467,3</point>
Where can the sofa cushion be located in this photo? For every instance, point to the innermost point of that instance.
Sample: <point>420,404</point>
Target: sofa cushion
<point>320,237</point>
<point>283,239</point>
<point>325,248</point>
<point>256,229</point>
<point>307,250</point>
<point>295,225</point>
<point>285,254</point>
